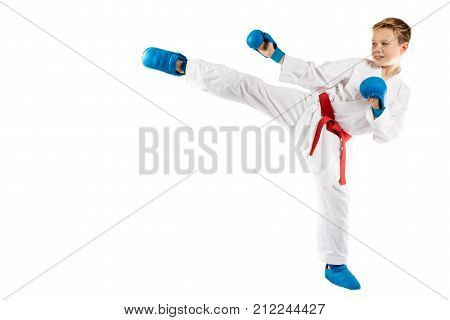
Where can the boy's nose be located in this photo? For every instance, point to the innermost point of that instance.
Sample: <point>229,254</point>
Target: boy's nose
<point>377,50</point>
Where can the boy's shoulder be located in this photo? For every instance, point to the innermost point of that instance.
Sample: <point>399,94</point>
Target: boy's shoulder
<point>367,63</point>
<point>404,88</point>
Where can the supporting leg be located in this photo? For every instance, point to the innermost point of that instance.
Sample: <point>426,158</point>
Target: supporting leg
<point>332,238</point>
<point>332,234</point>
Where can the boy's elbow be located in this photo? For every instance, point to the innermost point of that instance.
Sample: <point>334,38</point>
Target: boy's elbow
<point>381,140</point>
<point>385,138</point>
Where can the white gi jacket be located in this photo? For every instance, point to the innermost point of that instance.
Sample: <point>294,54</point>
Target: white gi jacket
<point>341,80</point>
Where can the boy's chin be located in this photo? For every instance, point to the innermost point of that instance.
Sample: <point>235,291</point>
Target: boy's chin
<point>378,62</point>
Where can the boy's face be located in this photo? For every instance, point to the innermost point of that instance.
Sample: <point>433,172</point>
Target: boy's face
<point>385,48</point>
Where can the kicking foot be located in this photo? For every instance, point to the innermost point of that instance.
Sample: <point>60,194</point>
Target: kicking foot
<point>173,63</point>
<point>341,276</point>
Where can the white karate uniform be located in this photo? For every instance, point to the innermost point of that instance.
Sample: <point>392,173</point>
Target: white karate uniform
<point>301,112</point>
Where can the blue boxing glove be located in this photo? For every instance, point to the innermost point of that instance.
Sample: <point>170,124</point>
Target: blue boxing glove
<point>256,38</point>
<point>163,60</point>
<point>374,87</point>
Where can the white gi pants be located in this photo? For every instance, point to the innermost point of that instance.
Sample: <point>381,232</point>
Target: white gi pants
<point>227,83</point>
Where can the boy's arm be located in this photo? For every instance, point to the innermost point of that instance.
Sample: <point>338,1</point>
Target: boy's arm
<point>388,122</point>
<point>377,110</point>
<point>309,75</point>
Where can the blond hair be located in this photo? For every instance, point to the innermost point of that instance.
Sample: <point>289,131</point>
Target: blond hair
<point>401,30</point>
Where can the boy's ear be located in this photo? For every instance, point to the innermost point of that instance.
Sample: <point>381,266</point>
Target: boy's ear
<point>405,46</point>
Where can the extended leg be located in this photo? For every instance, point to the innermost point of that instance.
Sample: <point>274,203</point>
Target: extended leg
<point>284,104</point>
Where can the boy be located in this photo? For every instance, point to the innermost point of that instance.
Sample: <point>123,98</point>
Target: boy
<point>348,96</point>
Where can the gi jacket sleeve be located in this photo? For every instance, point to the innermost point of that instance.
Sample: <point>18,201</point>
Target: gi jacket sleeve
<point>317,77</point>
<point>389,123</point>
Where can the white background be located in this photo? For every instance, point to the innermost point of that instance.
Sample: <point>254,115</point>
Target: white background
<point>69,165</point>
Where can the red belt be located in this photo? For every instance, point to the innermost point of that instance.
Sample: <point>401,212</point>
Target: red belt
<point>332,126</point>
